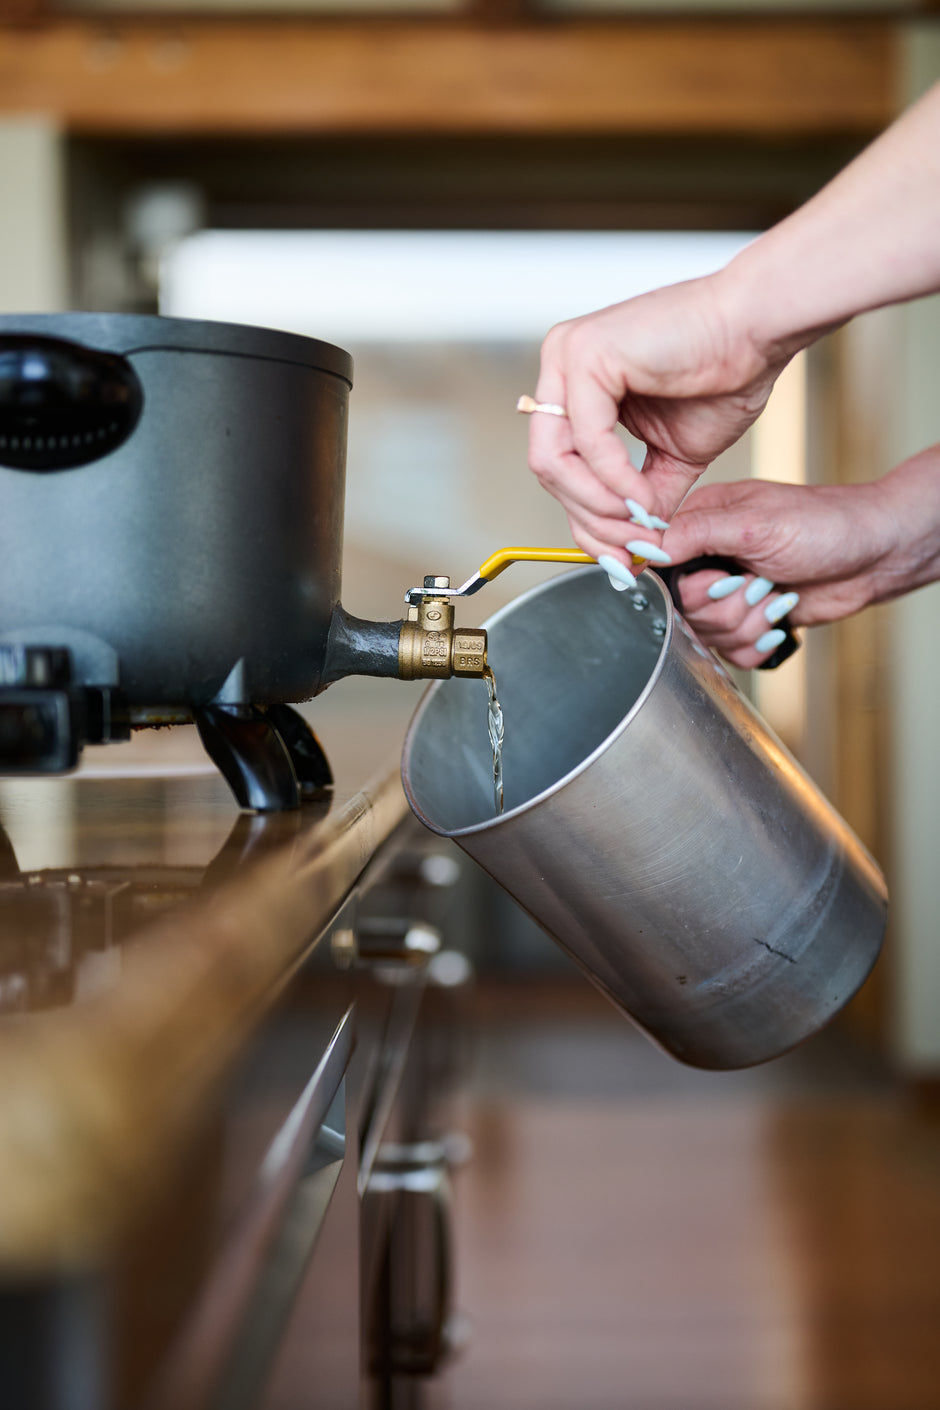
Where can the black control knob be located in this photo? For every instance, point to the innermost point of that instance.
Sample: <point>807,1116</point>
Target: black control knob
<point>62,404</point>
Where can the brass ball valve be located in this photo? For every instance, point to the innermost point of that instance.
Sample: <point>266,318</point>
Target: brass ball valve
<point>430,646</point>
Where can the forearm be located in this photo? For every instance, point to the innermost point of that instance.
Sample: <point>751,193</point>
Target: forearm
<point>868,239</point>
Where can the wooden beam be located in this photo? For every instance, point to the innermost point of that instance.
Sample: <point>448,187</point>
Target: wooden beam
<point>289,77</point>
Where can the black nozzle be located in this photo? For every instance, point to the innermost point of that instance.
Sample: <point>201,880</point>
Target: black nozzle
<point>360,648</point>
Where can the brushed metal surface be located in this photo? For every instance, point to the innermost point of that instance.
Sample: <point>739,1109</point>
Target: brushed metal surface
<point>654,825</point>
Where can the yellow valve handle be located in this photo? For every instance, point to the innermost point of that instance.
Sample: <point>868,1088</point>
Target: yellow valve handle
<point>502,558</point>
<point>495,564</point>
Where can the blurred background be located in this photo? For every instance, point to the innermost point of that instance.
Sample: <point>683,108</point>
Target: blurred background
<point>431,184</point>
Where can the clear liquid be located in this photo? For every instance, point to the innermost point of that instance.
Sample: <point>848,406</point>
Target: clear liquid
<point>494,721</point>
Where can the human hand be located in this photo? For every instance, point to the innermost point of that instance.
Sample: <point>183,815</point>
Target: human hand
<point>688,368</point>
<point>811,553</point>
<point>679,369</point>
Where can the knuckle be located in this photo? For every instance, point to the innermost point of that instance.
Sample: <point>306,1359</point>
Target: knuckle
<point>580,335</point>
<point>543,468</point>
<point>554,342</point>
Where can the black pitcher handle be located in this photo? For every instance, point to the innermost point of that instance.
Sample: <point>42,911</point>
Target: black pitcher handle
<point>673,575</point>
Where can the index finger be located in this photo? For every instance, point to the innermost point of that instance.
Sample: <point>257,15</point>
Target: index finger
<point>594,414</point>
<point>552,457</point>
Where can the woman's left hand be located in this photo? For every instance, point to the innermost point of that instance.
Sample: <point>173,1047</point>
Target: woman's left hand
<point>810,553</point>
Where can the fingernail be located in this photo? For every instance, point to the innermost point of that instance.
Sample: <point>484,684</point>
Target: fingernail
<point>757,591</point>
<point>639,514</point>
<point>770,640</point>
<point>724,587</point>
<point>781,606</point>
<point>643,518</point>
<point>620,576</point>
<point>650,551</point>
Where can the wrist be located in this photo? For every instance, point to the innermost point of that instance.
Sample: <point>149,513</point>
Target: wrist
<point>744,357</point>
<point>765,305</point>
<point>907,503</point>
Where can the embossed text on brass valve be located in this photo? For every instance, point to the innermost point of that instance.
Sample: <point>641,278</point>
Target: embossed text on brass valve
<point>430,646</point>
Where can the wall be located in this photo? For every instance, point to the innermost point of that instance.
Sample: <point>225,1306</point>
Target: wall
<point>915,672</point>
<point>33,279</point>
<point>32,229</point>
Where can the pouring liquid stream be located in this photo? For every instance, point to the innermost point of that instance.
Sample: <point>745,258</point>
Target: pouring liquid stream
<point>495,726</point>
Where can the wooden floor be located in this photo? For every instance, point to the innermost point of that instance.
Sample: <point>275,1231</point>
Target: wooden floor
<point>634,1235</point>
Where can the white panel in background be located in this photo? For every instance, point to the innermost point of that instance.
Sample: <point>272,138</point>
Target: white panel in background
<point>363,286</point>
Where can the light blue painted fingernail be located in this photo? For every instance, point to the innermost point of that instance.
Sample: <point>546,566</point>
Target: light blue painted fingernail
<point>621,576</point>
<point>770,640</point>
<point>724,587</point>
<point>650,551</point>
<point>757,591</point>
<point>657,523</point>
<point>638,513</point>
<point>781,606</point>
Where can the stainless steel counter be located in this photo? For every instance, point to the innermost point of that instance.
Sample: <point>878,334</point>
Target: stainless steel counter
<point>194,1056</point>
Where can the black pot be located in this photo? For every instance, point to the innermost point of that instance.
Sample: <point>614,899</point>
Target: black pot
<point>171,514</point>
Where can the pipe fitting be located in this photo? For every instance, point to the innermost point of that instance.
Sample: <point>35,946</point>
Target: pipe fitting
<point>430,647</point>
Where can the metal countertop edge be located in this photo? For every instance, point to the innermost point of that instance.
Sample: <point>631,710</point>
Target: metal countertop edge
<point>95,1101</point>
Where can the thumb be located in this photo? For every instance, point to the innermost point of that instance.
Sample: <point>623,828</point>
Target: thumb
<point>668,479</point>
<point>700,529</point>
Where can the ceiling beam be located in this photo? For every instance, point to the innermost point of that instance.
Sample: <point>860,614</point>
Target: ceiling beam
<point>219,77</point>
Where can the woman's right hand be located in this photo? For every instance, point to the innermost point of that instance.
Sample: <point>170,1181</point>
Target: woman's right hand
<point>679,369</point>
<point>688,368</point>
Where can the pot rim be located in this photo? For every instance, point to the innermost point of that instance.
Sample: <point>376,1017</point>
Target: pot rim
<point>128,333</point>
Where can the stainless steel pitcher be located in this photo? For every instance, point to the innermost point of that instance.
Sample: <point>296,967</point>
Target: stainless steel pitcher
<point>653,825</point>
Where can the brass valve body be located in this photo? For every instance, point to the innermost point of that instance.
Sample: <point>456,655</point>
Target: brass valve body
<point>430,646</point>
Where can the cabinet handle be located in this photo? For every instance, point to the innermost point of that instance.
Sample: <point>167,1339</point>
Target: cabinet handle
<point>231,1337</point>
<point>411,1340</point>
<point>406,944</point>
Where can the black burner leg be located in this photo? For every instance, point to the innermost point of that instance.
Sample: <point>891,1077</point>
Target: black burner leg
<point>311,765</point>
<point>249,752</point>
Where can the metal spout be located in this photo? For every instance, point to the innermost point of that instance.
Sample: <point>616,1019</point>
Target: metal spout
<point>426,645</point>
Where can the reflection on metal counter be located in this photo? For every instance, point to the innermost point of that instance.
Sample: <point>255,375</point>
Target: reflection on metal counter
<point>228,1090</point>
